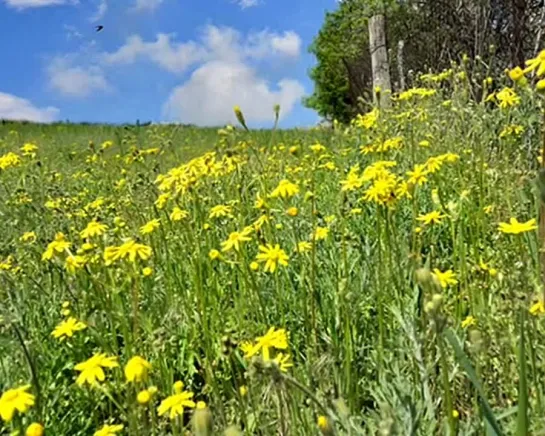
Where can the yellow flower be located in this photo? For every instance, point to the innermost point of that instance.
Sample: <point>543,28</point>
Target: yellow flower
<point>317,148</point>
<point>536,63</point>
<point>283,361</point>
<point>109,430</point>
<point>514,227</point>
<point>304,246</point>
<point>325,426</point>
<point>13,400</point>
<point>129,249</point>
<point>144,397</point>
<point>91,370</point>
<point>320,233</point>
<point>67,328</point>
<point>259,202</point>
<point>57,246</point>
<point>507,97</point>
<point>162,200</point>
<point>445,278</point>
<point>434,217</point>
<point>94,228</point>
<point>35,429</point>
<point>468,322</point>
<point>243,390</point>
<point>136,369</point>
<point>272,256</point>
<point>418,175</point>
<point>540,85</point>
<point>516,74</point>
<point>174,405</point>
<point>538,308</point>
<point>178,214</point>
<point>73,263</point>
<point>276,339</point>
<point>219,211</point>
<point>150,226</point>
<point>424,143</point>
<point>234,240</point>
<point>285,189</point>
<point>292,211</point>
<point>28,237</point>
<point>353,180</point>
<point>254,266</point>
<point>214,254</point>
<point>29,149</point>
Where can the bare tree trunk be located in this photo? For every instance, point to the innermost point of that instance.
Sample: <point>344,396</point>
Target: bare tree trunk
<point>379,58</point>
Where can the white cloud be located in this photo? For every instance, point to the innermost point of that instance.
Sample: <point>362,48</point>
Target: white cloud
<point>72,32</point>
<point>23,4</point>
<point>146,5</point>
<point>17,108</point>
<point>208,97</point>
<point>223,43</point>
<point>172,56</point>
<point>75,81</point>
<point>101,11</point>
<point>265,44</point>
<point>246,3</point>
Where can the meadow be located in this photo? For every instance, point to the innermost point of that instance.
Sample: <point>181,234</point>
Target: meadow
<point>379,278</point>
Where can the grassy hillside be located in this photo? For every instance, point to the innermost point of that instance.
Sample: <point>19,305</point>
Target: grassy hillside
<point>368,279</point>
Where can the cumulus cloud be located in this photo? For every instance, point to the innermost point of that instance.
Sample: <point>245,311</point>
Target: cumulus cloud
<point>24,4</point>
<point>223,43</point>
<point>101,11</point>
<point>244,4</point>
<point>228,77</point>
<point>172,56</point>
<point>75,81</point>
<point>146,5</point>
<point>208,97</point>
<point>17,108</point>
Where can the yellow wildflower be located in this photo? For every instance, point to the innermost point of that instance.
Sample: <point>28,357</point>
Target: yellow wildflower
<point>91,370</point>
<point>67,328</point>
<point>514,227</point>
<point>285,189</point>
<point>431,218</point>
<point>109,430</point>
<point>150,226</point>
<point>178,214</point>
<point>35,429</point>
<point>136,369</point>
<point>272,256</point>
<point>234,240</point>
<point>445,278</point>
<point>276,339</point>
<point>17,399</point>
<point>57,246</point>
<point>174,405</point>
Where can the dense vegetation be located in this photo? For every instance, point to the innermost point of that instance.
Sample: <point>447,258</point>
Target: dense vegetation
<point>496,34</point>
<point>382,277</point>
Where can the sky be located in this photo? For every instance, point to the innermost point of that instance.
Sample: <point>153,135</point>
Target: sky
<point>186,61</point>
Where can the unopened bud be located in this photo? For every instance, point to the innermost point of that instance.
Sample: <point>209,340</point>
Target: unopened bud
<point>202,420</point>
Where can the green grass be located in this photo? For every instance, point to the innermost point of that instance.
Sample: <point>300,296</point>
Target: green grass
<point>378,346</point>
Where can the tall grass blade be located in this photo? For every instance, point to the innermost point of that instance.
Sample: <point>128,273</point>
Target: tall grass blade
<point>471,374</point>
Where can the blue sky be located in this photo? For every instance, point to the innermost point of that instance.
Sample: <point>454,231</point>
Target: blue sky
<point>158,60</point>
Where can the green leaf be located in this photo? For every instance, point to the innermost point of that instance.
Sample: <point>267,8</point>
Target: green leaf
<point>472,375</point>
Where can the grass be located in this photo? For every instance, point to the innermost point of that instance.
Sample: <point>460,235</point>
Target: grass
<point>381,337</point>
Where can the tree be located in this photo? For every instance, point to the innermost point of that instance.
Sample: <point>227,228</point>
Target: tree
<point>434,33</point>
